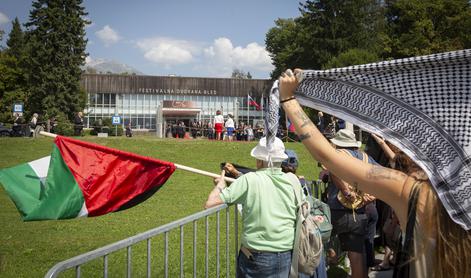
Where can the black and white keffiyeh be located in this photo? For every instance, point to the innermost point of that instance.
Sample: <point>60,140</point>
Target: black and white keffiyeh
<point>272,116</point>
<point>422,105</point>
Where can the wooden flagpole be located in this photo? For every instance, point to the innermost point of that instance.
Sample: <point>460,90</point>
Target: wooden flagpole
<point>178,166</point>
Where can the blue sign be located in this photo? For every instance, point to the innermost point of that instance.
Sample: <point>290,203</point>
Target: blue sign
<point>18,108</point>
<point>116,120</point>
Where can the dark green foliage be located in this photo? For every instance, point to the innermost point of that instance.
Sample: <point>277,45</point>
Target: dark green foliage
<point>426,27</point>
<point>286,44</point>
<point>116,131</point>
<point>56,51</point>
<point>16,41</point>
<point>335,26</point>
<point>64,126</point>
<point>112,130</point>
<point>105,126</point>
<point>352,57</point>
<point>12,86</point>
<point>334,33</point>
<point>325,29</point>
<point>240,74</point>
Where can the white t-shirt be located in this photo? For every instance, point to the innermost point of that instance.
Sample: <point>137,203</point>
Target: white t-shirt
<point>218,119</point>
<point>229,123</point>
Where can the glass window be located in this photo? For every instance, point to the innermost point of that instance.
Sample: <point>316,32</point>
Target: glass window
<point>140,121</point>
<point>113,99</point>
<point>99,99</point>
<point>152,123</point>
<point>140,100</point>
<point>106,99</point>
<point>92,98</point>
<point>133,100</point>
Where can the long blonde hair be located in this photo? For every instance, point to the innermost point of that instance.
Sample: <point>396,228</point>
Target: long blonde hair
<point>451,245</point>
<point>452,250</point>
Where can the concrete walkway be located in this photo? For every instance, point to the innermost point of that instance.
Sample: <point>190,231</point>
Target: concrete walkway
<point>380,274</point>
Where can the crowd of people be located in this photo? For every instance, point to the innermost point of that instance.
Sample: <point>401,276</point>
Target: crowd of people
<point>218,129</point>
<point>31,128</point>
<point>421,239</point>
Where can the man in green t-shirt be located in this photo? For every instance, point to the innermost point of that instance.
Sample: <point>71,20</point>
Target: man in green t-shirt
<point>268,214</point>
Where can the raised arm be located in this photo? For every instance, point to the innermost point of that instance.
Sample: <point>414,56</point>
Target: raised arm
<point>389,185</point>
<point>386,149</point>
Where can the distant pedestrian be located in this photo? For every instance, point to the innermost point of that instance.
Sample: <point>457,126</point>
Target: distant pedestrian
<point>128,130</point>
<point>218,124</point>
<point>32,124</point>
<point>229,125</point>
<point>78,124</point>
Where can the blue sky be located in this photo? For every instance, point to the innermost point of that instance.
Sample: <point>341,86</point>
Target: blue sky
<point>202,38</point>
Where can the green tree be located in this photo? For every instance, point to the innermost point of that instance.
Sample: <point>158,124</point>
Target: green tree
<point>325,29</point>
<point>352,57</point>
<point>12,78</point>
<point>16,41</point>
<point>11,86</point>
<point>56,38</point>
<point>1,37</point>
<point>240,74</point>
<point>338,25</point>
<point>425,27</point>
<point>286,43</point>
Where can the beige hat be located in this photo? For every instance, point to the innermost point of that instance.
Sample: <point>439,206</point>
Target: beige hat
<point>277,153</point>
<point>345,138</point>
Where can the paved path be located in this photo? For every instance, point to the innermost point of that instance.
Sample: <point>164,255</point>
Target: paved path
<point>380,274</point>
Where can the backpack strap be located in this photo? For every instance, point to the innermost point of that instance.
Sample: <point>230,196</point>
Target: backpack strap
<point>299,220</point>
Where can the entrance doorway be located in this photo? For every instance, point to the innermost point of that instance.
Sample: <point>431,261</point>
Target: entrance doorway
<point>177,117</point>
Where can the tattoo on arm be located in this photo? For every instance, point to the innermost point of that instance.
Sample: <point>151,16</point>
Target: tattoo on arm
<point>300,114</point>
<point>304,136</point>
<point>378,172</point>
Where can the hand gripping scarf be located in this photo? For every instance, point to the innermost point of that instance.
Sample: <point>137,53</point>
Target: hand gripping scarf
<point>422,105</point>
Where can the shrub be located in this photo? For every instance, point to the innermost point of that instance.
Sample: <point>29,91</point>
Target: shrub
<point>104,125</point>
<point>64,126</point>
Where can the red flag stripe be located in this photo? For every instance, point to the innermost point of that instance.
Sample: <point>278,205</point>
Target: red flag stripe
<point>110,178</point>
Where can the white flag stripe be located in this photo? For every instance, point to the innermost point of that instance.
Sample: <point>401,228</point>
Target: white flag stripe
<point>83,211</point>
<point>40,166</point>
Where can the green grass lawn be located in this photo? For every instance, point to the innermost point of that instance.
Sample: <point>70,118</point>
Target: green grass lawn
<point>29,249</point>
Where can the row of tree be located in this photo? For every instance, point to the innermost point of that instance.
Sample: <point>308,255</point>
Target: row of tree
<point>41,65</point>
<point>336,33</point>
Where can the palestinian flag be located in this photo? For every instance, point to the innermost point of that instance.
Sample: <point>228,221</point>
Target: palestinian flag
<point>82,179</point>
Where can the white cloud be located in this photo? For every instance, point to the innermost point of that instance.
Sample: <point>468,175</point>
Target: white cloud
<point>3,18</point>
<point>168,52</point>
<point>223,55</point>
<point>108,36</point>
<point>217,59</point>
<point>88,60</point>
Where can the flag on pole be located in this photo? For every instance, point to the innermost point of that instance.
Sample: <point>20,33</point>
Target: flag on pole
<point>252,102</point>
<point>82,179</point>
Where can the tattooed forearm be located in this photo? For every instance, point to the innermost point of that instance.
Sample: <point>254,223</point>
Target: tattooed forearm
<point>304,136</point>
<point>301,115</point>
<point>378,172</point>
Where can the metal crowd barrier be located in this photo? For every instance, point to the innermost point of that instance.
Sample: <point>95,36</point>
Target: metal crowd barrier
<point>318,189</point>
<point>104,252</point>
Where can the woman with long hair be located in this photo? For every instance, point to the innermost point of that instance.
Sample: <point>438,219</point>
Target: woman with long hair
<point>440,247</point>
